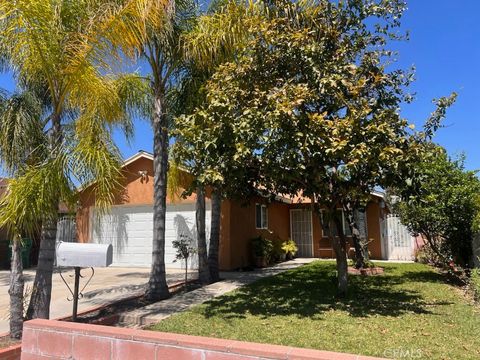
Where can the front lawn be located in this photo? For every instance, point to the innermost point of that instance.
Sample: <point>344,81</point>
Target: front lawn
<point>410,312</point>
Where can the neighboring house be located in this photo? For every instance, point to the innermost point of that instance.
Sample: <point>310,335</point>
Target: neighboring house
<point>128,225</point>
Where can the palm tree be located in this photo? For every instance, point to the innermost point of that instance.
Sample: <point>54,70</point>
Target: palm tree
<point>53,46</point>
<point>19,115</point>
<point>156,39</point>
<point>168,42</point>
<point>213,40</point>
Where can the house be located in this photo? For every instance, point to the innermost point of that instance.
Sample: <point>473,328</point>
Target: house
<point>128,225</point>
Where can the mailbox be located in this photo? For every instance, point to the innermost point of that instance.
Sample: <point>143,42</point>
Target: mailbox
<point>83,255</point>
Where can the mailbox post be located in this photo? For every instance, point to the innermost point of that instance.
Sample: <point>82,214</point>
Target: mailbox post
<point>78,256</point>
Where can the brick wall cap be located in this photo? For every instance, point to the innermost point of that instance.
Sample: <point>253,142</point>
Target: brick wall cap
<point>214,345</point>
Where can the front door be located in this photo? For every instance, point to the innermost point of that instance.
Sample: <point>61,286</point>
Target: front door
<point>301,231</point>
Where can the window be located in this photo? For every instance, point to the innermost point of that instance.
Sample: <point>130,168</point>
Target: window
<point>261,216</point>
<point>346,227</point>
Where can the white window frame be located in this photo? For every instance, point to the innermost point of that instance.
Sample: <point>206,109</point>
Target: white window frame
<point>344,223</point>
<point>263,216</point>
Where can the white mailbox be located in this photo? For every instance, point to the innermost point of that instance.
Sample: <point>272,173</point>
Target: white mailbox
<point>83,255</point>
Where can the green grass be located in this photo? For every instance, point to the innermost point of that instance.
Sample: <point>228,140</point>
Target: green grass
<point>410,310</point>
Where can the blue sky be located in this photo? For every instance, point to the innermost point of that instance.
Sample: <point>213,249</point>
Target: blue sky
<point>445,48</point>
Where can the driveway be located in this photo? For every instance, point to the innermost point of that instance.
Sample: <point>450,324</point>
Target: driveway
<point>106,285</point>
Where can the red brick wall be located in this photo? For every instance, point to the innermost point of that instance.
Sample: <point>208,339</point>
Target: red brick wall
<point>48,339</point>
<point>11,353</point>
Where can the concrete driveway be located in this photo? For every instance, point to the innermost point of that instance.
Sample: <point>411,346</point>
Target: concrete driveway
<point>107,284</point>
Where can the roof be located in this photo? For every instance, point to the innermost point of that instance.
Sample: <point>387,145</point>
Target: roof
<point>140,154</point>
<point>279,197</point>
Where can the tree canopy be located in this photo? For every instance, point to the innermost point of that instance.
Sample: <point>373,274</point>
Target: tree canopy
<point>442,204</point>
<point>309,104</point>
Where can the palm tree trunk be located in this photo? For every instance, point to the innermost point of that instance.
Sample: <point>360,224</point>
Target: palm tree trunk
<point>16,291</point>
<point>203,269</point>
<point>340,248</point>
<point>157,285</point>
<point>215,236</point>
<point>39,306</point>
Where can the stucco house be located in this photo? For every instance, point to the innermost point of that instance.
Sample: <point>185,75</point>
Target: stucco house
<point>128,226</point>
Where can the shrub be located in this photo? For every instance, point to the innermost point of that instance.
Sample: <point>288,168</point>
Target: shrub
<point>262,247</point>
<point>184,248</point>
<point>277,254</point>
<point>475,283</point>
<point>290,248</point>
<point>441,203</point>
<point>425,255</point>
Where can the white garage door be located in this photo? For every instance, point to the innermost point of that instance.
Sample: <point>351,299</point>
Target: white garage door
<point>130,231</point>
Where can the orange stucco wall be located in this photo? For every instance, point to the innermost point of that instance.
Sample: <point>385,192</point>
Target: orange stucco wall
<point>323,247</point>
<point>135,191</point>
<point>237,218</point>
<point>236,252</point>
<point>374,213</point>
<point>243,230</point>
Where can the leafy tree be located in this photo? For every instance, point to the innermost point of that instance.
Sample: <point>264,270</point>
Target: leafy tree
<point>441,203</point>
<point>204,145</point>
<point>53,50</point>
<point>185,250</point>
<point>308,106</point>
<point>19,115</point>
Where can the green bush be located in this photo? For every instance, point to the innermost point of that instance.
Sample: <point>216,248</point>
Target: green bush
<point>475,283</point>
<point>277,254</point>
<point>425,255</point>
<point>262,247</point>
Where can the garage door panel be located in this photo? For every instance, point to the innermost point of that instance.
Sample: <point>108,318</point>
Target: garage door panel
<point>130,231</point>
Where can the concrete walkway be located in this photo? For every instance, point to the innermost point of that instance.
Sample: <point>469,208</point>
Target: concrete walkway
<point>107,285</point>
<point>158,311</point>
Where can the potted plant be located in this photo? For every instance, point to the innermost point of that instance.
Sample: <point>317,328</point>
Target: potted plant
<point>278,254</point>
<point>262,248</point>
<point>290,249</point>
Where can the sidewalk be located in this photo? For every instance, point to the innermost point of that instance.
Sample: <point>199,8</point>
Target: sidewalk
<point>107,285</point>
<point>156,312</point>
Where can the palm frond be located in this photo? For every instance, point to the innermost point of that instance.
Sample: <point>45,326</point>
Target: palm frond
<point>34,195</point>
<point>94,159</point>
<point>21,130</point>
<point>216,36</point>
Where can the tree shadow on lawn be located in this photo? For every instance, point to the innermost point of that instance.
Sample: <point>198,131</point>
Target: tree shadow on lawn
<point>311,291</point>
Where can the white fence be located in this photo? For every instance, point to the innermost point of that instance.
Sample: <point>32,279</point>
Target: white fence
<point>398,243</point>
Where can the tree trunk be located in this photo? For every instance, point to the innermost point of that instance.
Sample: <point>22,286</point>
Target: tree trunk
<point>16,291</point>
<point>357,241</point>
<point>203,270</point>
<point>215,236</point>
<point>157,285</point>
<point>340,248</point>
<point>39,306</point>
<point>186,275</point>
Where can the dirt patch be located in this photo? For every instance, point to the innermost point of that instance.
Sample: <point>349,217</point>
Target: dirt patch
<point>109,315</point>
<point>371,271</point>
<point>6,341</point>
